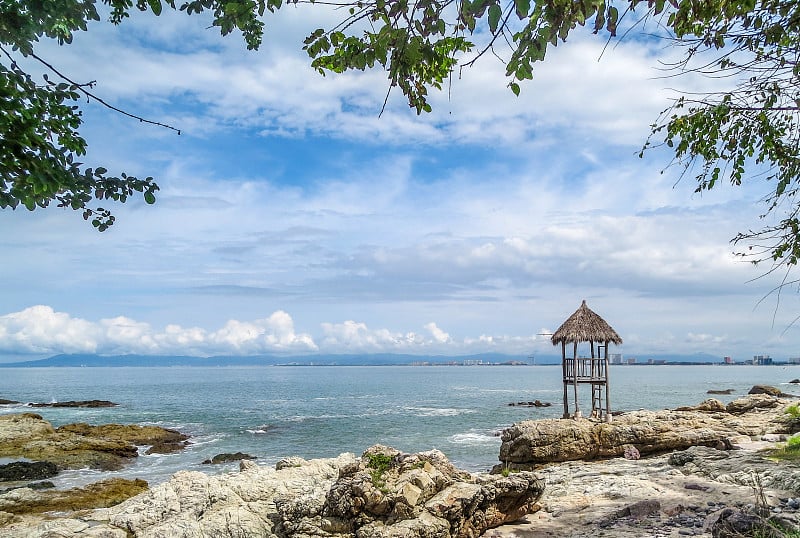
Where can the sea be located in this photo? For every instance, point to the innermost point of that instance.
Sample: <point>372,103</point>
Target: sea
<point>272,412</point>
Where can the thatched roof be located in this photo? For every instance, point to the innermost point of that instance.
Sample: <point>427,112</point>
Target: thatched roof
<point>585,326</point>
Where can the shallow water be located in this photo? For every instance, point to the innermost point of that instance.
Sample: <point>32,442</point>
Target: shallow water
<point>321,411</point>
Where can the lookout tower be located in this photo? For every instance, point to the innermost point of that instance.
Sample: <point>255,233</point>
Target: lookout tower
<point>586,326</point>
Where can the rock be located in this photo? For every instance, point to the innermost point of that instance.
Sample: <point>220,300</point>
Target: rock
<point>723,391</point>
<point>383,494</point>
<point>75,446</point>
<point>132,433</point>
<point>795,381</point>
<point>712,405</point>
<point>757,401</point>
<point>226,457</point>
<point>528,444</point>
<point>737,523</point>
<point>636,511</point>
<point>737,467</point>
<point>765,389</point>
<point>535,403</point>
<point>74,403</point>
<point>98,495</point>
<point>291,461</point>
<point>44,484</point>
<point>247,465</point>
<point>18,471</point>
<point>631,452</point>
<point>7,402</point>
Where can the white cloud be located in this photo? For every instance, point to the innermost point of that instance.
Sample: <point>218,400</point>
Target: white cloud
<point>438,334</point>
<point>42,330</point>
<point>39,329</point>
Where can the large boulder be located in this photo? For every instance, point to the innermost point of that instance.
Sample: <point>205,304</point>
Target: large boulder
<point>531,443</point>
<point>383,494</point>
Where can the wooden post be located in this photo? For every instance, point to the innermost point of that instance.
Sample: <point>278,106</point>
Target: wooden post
<point>575,379</point>
<point>564,377</point>
<point>608,387</point>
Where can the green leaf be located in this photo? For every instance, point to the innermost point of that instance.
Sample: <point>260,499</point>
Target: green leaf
<point>514,88</point>
<point>149,197</point>
<point>523,7</point>
<point>495,12</point>
<point>155,5</point>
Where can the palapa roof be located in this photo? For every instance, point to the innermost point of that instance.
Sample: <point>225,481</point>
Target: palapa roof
<point>585,326</point>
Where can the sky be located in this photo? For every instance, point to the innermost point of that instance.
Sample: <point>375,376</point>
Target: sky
<point>295,218</point>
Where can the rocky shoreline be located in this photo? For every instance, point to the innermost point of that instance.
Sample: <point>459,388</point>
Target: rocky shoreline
<point>704,470</point>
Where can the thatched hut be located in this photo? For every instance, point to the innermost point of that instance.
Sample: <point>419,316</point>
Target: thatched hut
<point>586,326</point>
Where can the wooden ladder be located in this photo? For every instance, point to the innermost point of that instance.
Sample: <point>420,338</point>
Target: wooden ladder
<point>598,400</point>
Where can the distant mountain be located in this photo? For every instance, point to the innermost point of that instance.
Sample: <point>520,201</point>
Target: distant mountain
<point>377,359</point>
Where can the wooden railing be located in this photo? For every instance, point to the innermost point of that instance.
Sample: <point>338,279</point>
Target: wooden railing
<point>587,370</point>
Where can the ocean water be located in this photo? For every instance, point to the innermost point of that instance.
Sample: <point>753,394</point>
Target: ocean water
<point>278,411</point>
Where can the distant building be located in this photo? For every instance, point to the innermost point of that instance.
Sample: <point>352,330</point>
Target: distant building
<point>728,360</point>
<point>615,358</point>
<point>795,360</point>
<point>632,360</point>
<point>762,360</point>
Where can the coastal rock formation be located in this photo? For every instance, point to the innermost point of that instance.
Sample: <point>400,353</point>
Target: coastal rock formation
<point>531,443</point>
<point>75,446</point>
<point>97,495</point>
<point>76,403</point>
<point>7,402</point>
<point>535,403</point>
<point>656,496</point>
<point>161,440</point>
<point>226,457</point>
<point>383,494</point>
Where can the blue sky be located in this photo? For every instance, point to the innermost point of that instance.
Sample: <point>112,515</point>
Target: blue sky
<point>293,219</point>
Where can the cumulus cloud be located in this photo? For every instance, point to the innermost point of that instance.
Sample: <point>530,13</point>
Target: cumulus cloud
<point>42,330</point>
<point>438,334</point>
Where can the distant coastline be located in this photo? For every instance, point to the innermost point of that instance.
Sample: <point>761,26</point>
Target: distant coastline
<point>89,361</point>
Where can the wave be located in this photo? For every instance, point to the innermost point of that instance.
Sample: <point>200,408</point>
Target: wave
<point>474,437</point>
<point>260,430</point>
<point>438,411</point>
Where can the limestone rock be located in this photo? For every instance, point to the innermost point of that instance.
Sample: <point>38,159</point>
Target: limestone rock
<point>383,494</point>
<point>712,405</point>
<point>759,400</point>
<point>531,443</point>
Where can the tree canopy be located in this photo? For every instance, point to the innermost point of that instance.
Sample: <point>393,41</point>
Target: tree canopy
<point>747,132</point>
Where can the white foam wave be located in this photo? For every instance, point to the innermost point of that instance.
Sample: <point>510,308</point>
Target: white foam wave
<point>439,411</point>
<point>260,430</point>
<point>474,438</point>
